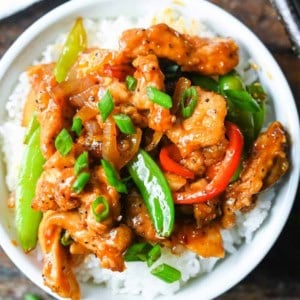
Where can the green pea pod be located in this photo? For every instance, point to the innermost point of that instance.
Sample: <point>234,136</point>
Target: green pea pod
<point>32,126</point>
<point>242,100</point>
<point>75,43</point>
<point>155,191</point>
<point>259,119</point>
<point>205,82</point>
<point>27,219</point>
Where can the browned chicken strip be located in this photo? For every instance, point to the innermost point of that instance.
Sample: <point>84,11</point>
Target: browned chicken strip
<point>108,247</point>
<point>204,128</point>
<point>138,219</point>
<point>214,56</point>
<point>268,151</point>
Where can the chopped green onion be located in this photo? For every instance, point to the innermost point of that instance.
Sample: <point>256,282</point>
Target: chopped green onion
<point>166,273</point>
<point>80,182</point>
<point>77,126</point>
<point>131,83</point>
<point>106,105</point>
<point>137,252</point>
<point>81,163</point>
<point>124,123</point>
<point>242,100</point>
<point>33,125</point>
<point>159,97</point>
<point>63,142</point>
<point>205,82</point>
<point>100,208</point>
<point>189,97</point>
<point>112,177</point>
<point>66,239</point>
<point>30,296</point>
<point>153,255</point>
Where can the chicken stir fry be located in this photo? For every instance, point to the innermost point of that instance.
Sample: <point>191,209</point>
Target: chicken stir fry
<point>144,146</point>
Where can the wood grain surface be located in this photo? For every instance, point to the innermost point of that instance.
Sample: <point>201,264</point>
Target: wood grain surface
<point>278,275</point>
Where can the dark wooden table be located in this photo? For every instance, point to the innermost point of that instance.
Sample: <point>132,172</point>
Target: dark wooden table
<point>278,275</point>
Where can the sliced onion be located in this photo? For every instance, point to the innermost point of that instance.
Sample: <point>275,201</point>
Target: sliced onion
<point>156,137</point>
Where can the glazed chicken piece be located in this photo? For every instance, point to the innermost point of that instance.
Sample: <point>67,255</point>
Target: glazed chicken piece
<point>50,106</point>
<point>57,270</point>
<point>138,219</point>
<point>205,212</point>
<point>148,74</point>
<point>54,191</point>
<point>57,265</point>
<point>215,56</point>
<point>204,128</point>
<point>267,163</point>
<point>206,241</point>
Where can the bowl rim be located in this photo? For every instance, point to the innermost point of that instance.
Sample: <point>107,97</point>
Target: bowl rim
<point>68,8</point>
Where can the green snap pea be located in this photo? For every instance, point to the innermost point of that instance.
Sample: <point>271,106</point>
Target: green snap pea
<point>155,191</point>
<point>75,43</point>
<point>230,81</point>
<point>27,219</point>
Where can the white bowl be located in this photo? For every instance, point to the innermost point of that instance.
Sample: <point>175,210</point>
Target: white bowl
<point>235,267</point>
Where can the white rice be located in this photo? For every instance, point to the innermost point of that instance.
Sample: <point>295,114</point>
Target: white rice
<point>105,34</point>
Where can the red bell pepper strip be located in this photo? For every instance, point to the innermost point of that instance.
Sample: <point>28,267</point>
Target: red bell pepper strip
<point>226,170</point>
<point>118,71</point>
<point>168,164</point>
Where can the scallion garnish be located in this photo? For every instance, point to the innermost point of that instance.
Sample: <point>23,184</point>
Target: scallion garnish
<point>63,142</point>
<point>112,177</point>
<point>131,83</point>
<point>81,163</point>
<point>159,97</point>
<point>81,182</point>
<point>124,123</point>
<point>188,101</point>
<point>66,239</point>
<point>106,105</point>
<point>153,255</point>
<point>100,208</point>
<point>137,252</point>
<point>166,273</point>
<point>77,126</point>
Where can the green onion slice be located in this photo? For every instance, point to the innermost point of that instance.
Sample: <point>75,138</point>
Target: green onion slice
<point>81,163</point>
<point>106,105</point>
<point>77,126</point>
<point>153,255</point>
<point>100,208</point>
<point>81,182</point>
<point>124,123</point>
<point>188,101</point>
<point>137,252</point>
<point>242,100</point>
<point>112,177</point>
<point>63,142</point>
<point>159,97</point>
<point>131,82</point>
<point>66,239</point>
<point>166,273</point>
